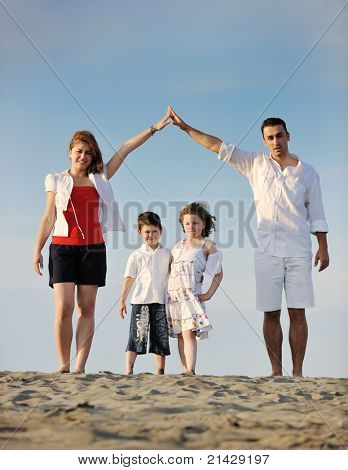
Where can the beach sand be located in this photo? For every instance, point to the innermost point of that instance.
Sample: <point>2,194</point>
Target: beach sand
<point>145,411</point>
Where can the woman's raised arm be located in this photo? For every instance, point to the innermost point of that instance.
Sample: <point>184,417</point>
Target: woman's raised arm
<point>134,142</point>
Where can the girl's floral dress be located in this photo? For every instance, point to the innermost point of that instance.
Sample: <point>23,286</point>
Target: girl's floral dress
<point>184,310</point>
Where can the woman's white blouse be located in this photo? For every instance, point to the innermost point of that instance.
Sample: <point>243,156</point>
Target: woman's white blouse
<point>62,184</point>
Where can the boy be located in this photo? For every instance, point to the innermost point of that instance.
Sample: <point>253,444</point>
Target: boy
<point>149,267</point>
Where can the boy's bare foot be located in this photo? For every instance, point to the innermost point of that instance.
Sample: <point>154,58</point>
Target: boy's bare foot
<point>79,371</point>
<point>160,371</point>
<point>63,370</point>
<point>130,371</point>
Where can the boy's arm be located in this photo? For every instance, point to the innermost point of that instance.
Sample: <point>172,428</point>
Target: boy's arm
<point>126,287</point>
<point>134,142</point>
<point>208,141</point>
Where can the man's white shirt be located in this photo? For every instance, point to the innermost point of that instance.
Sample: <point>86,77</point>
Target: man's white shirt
<point>150,268</point>
<point>288,203</point>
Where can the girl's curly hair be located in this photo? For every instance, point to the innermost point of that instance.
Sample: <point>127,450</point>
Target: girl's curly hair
<point>199,209</point>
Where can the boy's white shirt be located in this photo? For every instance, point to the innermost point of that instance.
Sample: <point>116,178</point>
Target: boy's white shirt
<point>150,269</point>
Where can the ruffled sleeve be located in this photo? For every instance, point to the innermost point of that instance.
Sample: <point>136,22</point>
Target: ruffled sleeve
<point>51,183</point>
<point>214,264</point>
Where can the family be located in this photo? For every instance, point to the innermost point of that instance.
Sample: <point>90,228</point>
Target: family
<point>167,299</point>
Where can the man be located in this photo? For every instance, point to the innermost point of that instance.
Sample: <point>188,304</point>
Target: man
<point>289,208</point>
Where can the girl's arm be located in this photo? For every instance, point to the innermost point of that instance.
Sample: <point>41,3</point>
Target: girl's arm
<point>213,288</point>
<point>210,248</point>
<point>46,226</point>
<point>126,287</point>
<point>118,158</point>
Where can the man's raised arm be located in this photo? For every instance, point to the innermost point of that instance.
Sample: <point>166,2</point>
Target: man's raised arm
<point>208,141</point>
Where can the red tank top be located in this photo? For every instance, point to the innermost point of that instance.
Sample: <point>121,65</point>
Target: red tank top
<point>82,218</point>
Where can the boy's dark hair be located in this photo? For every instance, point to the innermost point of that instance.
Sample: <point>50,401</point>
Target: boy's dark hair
<point>199,209</point>
<point>149,218</point>
<point>273,121</point>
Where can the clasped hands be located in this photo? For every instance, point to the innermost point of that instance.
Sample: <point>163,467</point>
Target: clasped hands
<point>170,118</point>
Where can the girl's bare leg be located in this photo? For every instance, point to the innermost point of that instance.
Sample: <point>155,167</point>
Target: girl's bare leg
<point>190,349</point>
<point>160,362</point>
<point>181,351</point>
<point>86,296</point>
<point>64,307</point>
<point>130,361</point>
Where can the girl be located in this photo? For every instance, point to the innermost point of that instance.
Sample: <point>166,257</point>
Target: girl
<point>192,257</point>
<point>81,205</point>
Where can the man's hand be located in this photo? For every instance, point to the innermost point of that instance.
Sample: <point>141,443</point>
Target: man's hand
<point>122,309</point>
<point>176,120</point>
<point>322,256</point>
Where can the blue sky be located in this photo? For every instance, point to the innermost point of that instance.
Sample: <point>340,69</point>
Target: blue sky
<point>219,64</point>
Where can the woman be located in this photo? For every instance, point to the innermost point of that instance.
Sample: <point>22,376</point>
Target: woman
<point>80,205</point>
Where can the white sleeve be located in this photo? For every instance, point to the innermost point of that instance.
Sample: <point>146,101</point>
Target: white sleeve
<point>131,268</point>
<point>241,160</point>
<point>214,264</point>
<point>51,183</point>
<point>315,208</point>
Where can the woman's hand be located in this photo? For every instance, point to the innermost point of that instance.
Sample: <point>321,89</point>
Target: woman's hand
<point>163,122</point>
<point>203,297</point>
<point>176,120</point>
<point>38,263</point>
<point>122,309</point>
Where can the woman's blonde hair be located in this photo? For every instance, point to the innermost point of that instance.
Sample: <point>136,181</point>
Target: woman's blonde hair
<point>97,160</point>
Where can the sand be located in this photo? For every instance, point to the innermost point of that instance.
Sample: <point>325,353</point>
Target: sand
<point>145,411</point>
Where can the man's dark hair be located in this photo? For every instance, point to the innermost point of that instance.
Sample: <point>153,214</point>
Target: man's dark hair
<point>149,218</point>
<point>273,121</point>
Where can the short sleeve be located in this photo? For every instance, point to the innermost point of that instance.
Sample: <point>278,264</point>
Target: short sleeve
<point>214,264</point>
<point>241,160</point>
<point>131,268</point>
<point>51,183</point>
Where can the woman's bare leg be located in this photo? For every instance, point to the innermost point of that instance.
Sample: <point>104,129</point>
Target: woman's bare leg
<point>190,349</point>
<point>86,296</point>
<point>64,307</point>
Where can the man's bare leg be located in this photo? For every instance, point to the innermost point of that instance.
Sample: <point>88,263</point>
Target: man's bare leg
<point>298,335</point>
<point>273,335</point>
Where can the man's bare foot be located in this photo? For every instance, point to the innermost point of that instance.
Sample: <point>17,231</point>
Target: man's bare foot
<point>63,370</point>
<point>160,371</point>
<point>297,374</point>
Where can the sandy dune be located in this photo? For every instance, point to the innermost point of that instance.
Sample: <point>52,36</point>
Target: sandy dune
<point>145,411</point>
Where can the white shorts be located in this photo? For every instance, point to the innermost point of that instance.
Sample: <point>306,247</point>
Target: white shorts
<point>274,273</point>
